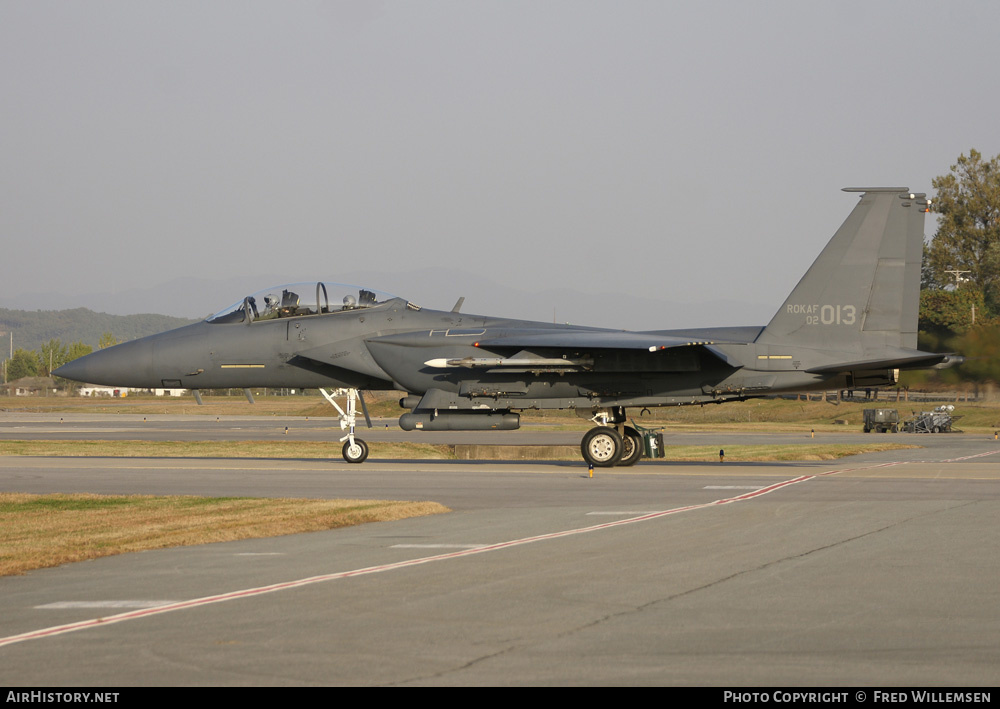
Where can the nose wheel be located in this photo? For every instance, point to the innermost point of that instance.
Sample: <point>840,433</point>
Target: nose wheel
<point>355,450</point>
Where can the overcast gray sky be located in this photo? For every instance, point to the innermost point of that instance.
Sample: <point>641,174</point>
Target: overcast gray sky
<point>679,151</point>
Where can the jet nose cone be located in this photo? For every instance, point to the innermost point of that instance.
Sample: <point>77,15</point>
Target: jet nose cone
<point>128,364</point>
<point>72,370</point>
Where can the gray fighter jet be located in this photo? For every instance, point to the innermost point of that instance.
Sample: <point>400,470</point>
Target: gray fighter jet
<point>850,322</point>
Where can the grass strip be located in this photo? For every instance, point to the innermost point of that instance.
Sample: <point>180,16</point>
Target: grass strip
<point>218,449</point>
<point>424,451</point>
<point>48,530</point>
<point>694,453</point>
<point>769,414</point>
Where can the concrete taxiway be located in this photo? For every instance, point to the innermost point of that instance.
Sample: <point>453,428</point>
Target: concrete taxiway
<point>877,569</point>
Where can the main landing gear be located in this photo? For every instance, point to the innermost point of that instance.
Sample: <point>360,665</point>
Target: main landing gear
<point>355,450</point>
<point>611,442</point>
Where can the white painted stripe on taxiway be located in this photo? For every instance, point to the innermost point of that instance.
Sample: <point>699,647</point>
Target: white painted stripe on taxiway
<point>732,487</point>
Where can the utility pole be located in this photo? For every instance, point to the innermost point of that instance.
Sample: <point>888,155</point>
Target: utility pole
<point>958,276</point>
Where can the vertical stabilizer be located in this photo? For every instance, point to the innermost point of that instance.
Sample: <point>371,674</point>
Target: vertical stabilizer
<point>862,293</point>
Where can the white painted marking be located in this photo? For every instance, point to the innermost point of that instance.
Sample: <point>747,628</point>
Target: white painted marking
<point>260,553</point>
<point>59,605</point>
<point>732,487</point>
<point>619,513</point>
<point>969,457</point>
<point>437,546</point>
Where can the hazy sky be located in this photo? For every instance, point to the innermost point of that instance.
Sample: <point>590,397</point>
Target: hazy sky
<point>675,150</point>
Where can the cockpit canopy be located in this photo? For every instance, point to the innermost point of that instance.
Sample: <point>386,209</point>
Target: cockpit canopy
<point>299,299</point>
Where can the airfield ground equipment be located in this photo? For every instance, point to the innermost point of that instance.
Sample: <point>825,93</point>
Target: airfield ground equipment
<point>881,420</point>
<point>652,441</point>
<point>940,420</point>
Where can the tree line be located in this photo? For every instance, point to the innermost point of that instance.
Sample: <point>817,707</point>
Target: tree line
<point>960,278</point>
<point>49,357</point>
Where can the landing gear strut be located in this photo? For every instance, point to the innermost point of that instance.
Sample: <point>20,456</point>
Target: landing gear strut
<point>355,450</point>
<point>611,442</point>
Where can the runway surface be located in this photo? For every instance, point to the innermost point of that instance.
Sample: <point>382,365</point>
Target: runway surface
<point>878,569</point>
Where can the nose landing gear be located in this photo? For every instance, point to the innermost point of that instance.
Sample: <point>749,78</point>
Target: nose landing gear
<point>355,450</point>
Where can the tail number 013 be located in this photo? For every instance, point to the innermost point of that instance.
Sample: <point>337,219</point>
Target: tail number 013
<point>833,315</point>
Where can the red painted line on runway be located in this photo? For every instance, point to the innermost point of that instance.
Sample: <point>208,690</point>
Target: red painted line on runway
<point>969,457</point>
<point>250,592</point>
<point>867,467</point>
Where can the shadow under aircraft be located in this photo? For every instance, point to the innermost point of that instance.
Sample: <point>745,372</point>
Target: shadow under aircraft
<point>850,322</point>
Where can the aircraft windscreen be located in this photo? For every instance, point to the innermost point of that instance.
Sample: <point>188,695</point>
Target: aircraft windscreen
<point>300,299</point>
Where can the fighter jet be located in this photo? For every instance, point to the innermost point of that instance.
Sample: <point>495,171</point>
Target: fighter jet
<point>850,322</point>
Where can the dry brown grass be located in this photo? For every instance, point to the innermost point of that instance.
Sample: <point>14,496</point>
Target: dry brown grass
<point>699,453</point>
<point>49,530</point>
<point>185,405</point>
<point>755,415</point>
<point>218,449</point>
<point>411,451</point>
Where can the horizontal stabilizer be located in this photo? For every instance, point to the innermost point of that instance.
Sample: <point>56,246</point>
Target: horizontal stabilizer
<point>910,360</point>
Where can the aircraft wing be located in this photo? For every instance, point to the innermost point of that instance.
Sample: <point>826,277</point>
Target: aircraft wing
<point>582,340</point>
<point>531,347</point>
<point>904,359</point>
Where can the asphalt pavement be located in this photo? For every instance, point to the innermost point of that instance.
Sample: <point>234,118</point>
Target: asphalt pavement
<point>877,569</point>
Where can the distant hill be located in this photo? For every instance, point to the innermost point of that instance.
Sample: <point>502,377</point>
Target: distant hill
<point>31,328</point>
<point>613,305</point>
